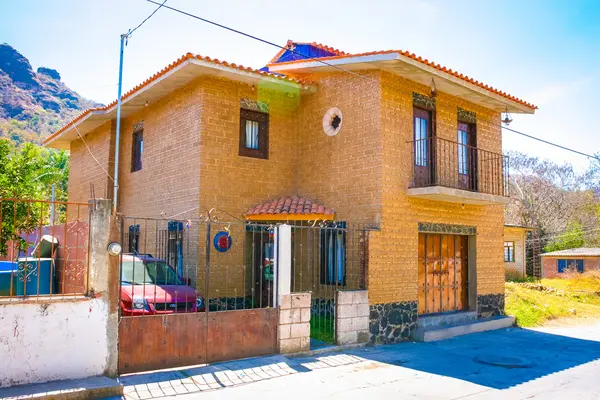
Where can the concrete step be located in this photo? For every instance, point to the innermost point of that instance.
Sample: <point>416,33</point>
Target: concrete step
<point>437,320</point>
<point>432,333</point>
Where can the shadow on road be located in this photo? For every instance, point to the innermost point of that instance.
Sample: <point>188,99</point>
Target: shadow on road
<point>498,359</point>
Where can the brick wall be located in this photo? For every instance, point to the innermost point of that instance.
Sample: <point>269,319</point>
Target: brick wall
<point>191,142</point>
<point>517,236</point>
<point>344,171</point>
<point>85,170</point>
<point>550,265</point>
<point>393,252</point>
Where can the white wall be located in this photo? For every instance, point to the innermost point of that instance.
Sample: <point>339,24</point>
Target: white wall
<point>49,341</point>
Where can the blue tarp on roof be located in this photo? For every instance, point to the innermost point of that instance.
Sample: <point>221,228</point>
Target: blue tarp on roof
<point>303,52</point>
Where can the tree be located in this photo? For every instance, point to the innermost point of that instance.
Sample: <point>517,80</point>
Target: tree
<point>574,237</point>
<point>28,173</point>
<point>552,199</point>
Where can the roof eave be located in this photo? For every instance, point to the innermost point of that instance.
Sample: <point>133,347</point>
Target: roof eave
<point>223,70</point>
<point>385,60</point>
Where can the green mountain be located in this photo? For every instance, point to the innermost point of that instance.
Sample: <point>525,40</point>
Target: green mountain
<point>33,104</point>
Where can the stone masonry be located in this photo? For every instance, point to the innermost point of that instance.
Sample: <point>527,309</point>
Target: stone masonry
<point>352,317</point>
<point>294,323</point>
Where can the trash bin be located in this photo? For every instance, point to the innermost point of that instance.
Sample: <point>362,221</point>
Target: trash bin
<point>32,270</point>
<point>6,274</point>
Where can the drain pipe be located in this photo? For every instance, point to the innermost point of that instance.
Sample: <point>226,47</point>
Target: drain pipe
<point>118,132</point>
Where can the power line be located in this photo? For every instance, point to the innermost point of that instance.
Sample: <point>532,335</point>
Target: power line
<point>262,40</point>
<point>338,67</point>
<point>92,154</point>
<point>147,18</point>
<point>552,144</point>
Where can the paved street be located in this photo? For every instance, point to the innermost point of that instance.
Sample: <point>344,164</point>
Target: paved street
<point>556,363</point>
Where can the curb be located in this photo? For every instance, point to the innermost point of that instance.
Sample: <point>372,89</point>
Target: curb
<point>328,349</point>
<point>91,388</point>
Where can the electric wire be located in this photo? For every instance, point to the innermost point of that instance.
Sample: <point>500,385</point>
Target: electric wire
<point>340,68</point>
<point>147,18</point>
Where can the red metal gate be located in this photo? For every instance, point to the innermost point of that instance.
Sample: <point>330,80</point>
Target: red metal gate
<point>194,292</point>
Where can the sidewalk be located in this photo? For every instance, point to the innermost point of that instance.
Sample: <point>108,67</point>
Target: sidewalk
<point>228,374</point>
<point>167,383</point>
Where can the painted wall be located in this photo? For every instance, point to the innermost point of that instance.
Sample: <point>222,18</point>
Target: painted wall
<point>55,340</point>
<point>516,235</point>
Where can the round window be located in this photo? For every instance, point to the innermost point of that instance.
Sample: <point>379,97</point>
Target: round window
<point>332,121</point>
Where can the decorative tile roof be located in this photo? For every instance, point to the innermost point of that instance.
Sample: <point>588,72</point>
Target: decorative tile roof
<point>578,252</point>
<point>423,61</point>
<point>290,208</point>
<point>164,71</point>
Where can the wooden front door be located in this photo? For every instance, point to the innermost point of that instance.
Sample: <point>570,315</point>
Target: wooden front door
<point>467,156</point>
<point>423,154</point>
<point>443,263</point>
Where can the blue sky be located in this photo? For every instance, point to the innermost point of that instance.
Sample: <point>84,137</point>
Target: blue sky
<point>546,52</point>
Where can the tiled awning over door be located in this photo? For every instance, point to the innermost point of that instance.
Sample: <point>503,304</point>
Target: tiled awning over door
<point>293,208</point>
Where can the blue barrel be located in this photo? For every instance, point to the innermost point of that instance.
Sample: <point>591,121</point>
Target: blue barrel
<point>30,271</point>
<point>6,274</point>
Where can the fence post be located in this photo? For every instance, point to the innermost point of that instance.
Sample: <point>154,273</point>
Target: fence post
<point>283,247</point>
<point>104,274</point>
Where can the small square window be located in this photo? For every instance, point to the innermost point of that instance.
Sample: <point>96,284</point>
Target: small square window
<point>137,150</point>
<point>254,134</point>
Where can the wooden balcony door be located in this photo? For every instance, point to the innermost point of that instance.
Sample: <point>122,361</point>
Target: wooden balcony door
<point>423,151</point>
<point>443,263</point>
<point>467,156</point>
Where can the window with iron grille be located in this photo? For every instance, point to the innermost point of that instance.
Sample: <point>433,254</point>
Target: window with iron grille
<point>137,150</point>
<point>254,134</point>
<point>509,251</point>
<point>564,265</point>
<point>333,256</point>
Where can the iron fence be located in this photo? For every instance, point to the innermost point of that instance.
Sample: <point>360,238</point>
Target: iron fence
<point>442,162</point>
<point>43,248</point>
<point>328,257</point>
<point>186,266</point>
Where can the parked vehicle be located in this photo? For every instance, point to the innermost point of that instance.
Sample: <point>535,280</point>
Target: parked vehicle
<point>150,286</point>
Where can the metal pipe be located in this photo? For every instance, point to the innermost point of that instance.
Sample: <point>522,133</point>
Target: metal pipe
<point>118,132</point>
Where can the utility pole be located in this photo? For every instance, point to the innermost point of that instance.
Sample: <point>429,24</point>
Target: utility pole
<point>118,133</point>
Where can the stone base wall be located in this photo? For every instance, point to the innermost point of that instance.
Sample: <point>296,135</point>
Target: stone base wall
<point>294,323</point>
<point>392,322</point>
<point>490,305</point>
<point>352,317</point>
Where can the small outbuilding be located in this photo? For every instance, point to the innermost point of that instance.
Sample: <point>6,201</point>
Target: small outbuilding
<point>581,259</point>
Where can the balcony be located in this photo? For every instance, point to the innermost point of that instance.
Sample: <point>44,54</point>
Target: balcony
<point>448,171</point>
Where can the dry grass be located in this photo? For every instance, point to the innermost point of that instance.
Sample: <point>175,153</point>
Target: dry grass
<point>534,303</point>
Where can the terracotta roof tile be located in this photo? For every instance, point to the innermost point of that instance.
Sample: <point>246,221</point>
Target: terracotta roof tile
<point>290,205</point>
<point>162,72</point>
<point>423,61</point>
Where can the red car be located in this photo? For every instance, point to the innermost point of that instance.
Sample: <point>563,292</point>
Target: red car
<point>149,286</point>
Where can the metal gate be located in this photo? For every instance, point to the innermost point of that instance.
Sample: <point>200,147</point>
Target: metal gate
<point>195,291</point>
<point>328,257</point>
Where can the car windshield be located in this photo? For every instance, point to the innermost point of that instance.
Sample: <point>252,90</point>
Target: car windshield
<point>148,272</point>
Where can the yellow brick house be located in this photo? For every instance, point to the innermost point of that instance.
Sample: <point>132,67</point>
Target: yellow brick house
<point>385,140</point>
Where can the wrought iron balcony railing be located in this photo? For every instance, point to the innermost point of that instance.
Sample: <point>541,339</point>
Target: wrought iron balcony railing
<point>441,162</point>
